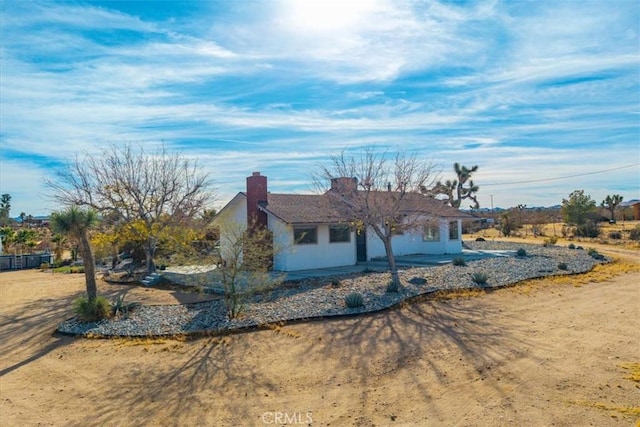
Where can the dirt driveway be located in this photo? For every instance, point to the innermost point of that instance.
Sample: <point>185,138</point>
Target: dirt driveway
<point>537,356</point>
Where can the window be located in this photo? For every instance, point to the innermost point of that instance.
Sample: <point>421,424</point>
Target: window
<point>339,233</point>
<point>453,230</point>
<point>305,235</point>
<point>431,233</point>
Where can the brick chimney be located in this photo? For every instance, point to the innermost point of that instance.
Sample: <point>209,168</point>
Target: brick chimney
<point>256,194</point>
<point>344,185</point>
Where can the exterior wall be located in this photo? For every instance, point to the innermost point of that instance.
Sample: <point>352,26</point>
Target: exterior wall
<point>233,220</point>
<point>411,243</point>
<point>291,257</point>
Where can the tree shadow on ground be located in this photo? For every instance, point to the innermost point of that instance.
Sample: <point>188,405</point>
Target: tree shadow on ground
<point>26,332</point>
<point>202,382</point>
<point>415,338</point>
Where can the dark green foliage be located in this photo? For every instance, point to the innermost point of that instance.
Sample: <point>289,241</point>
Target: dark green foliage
<point>354,300</point>
<point>578,209</point>
<point>595,254</point>
<point>459,261</point>
<point>335,283</point>
<point>521,252</point>
<point>562,266</point>
<point>92,310</point>
<point>588,229</point>
<point>392,287</point>
<point>571,246</point>
<point>479,278</point>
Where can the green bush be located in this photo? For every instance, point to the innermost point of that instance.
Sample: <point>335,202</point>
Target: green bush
<point>521,252</point>
<point>92,310</point>
<point>562,266</point>
<point>335,283</point>
<point>595,254</point>
<point>479,278</point>
<point>354,300</point>
<point>588,229</point>
<point>392,287</point>
<point>571,246</point>
<point>459,261</point>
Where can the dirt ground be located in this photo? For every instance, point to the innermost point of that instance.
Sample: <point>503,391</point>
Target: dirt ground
<point>538,355</point>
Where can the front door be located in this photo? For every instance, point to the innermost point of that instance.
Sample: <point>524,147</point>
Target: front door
<point>361,246</point>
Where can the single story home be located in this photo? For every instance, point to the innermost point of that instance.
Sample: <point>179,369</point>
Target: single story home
<point>315,231</point>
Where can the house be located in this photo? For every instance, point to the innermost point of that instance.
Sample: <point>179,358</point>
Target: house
<point>316,231</point>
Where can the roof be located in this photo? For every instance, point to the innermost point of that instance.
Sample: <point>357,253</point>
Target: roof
<point>329,208</point>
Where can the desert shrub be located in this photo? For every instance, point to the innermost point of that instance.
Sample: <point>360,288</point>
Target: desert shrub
<point>44,266</point>
<point>521,252</point>
<point>580,248</point>
<point>550,241</point>
<point>562,266</point>
<point>459,261</point>
<point>92,310</point>
<point>120,307</point>
<point>588,229</point>
<point>615,235</point>
<point>392,287</point>
<point>354,300</point>
<point>593,253</point>
<point>571,246</point>
<point>480,239</point>
<point>635,233</point>
<point>479,278</point>
<point>335,283</point>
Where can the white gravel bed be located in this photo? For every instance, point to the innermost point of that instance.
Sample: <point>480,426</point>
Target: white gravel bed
<point>320,298</point>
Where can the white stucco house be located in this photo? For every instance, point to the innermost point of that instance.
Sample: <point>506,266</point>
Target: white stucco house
<point>314,232</point>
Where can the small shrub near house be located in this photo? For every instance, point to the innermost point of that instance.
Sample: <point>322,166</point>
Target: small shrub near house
<point>459,261</point>
<point>479,278</point>
<point>562,266</point>
<point>354,300</point>
<point>521,252</point>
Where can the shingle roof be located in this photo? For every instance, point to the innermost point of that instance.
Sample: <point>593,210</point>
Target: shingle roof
<point>328,209</point>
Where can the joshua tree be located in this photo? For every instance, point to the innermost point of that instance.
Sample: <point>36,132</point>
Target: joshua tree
<point>611,203</point>
<point>76,223</point>
<point>457,190</point>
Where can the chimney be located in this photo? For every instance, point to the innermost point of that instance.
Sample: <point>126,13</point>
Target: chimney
<point>344,185</point>
<point>256,194</point>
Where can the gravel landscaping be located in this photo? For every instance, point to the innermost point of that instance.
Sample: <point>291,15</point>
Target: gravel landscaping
<point>315,298</point>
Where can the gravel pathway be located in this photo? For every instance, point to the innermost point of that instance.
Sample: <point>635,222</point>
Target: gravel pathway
<point>319,298</point>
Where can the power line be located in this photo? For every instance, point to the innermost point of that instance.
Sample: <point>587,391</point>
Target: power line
<point>561,177</point>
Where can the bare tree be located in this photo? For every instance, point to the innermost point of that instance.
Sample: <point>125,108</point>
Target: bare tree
<point>381,193</point>
<point>147,191</point>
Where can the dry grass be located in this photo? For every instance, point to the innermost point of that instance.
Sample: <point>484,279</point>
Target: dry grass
<point>633,369</point>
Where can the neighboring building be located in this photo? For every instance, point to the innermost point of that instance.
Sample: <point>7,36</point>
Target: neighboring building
<point>316,232</point>
<point>636,211</point>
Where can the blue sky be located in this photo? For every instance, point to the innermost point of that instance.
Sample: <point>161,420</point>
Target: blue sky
<point>526,90</point>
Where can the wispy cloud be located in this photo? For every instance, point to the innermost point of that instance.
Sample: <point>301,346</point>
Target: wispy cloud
<point>522,89</point>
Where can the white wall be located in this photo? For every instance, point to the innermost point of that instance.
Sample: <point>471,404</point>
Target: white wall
<point>411,243</point>
<point>292,257</point>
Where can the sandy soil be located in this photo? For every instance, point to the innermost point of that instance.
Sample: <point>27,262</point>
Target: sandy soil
<point>554,355</point>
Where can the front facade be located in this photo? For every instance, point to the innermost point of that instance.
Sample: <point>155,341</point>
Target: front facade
<point>311,231</point>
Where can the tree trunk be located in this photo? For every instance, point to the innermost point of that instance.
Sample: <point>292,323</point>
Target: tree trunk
<point>89,267</point>
<point>392,261</point>
<point>149,252</point>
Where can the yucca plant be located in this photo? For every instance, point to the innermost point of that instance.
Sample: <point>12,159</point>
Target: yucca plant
<point>479,278</point>
<point>459,261</point>
<point>354,300</point>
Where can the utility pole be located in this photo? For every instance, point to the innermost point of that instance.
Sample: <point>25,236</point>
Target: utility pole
<point>492,214</point>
